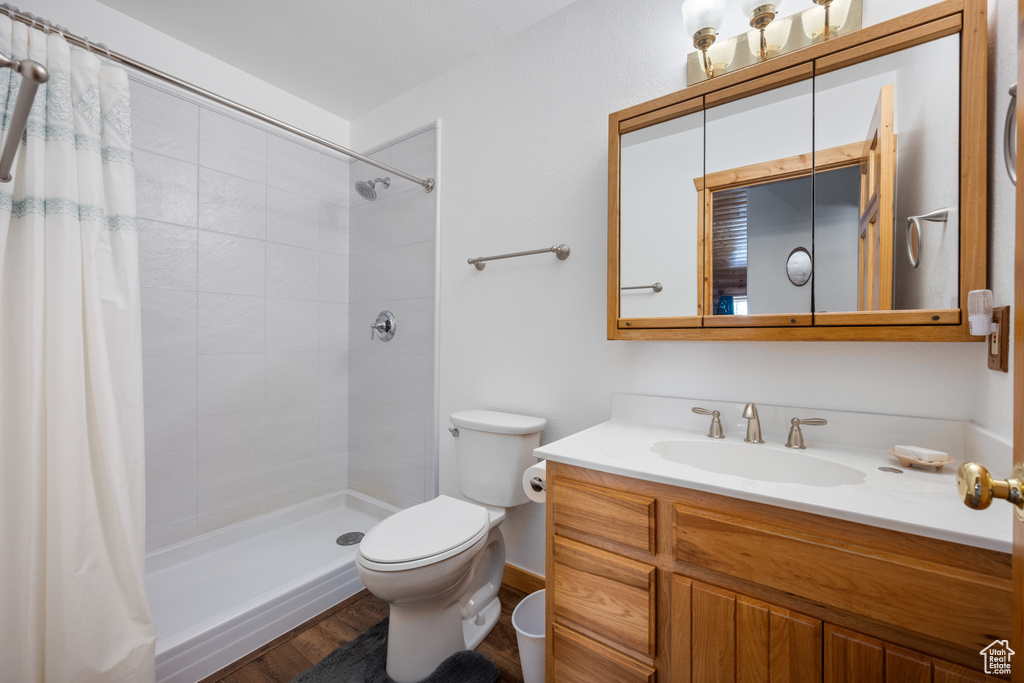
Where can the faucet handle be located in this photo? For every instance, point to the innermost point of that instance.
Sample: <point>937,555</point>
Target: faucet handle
<point>715,431</point>
<point>796,437</point>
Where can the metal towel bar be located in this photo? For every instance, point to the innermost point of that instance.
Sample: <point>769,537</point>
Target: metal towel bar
<point>33,74</point>
<point>561,251</point>
<point>657,287</point>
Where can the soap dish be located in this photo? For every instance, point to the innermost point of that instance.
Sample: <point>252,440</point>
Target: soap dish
<point>909,461</point>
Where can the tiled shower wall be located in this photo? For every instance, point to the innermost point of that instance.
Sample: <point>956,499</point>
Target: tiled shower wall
<point>392,430</point>
<point>243,248</point>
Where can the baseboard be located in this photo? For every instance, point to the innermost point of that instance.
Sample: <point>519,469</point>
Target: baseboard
<point>522,580</point>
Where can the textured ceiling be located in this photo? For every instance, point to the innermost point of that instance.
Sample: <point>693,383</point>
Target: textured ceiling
<point>345,56</point>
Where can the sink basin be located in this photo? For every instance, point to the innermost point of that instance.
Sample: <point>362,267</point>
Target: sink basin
<point>758,462</point>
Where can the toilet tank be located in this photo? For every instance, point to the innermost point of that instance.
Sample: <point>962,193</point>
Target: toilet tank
<point>492,451</point>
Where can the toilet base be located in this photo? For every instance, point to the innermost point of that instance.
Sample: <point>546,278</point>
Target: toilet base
<point>476,629</point>
<point>423,633</point>
<point>425,638</point>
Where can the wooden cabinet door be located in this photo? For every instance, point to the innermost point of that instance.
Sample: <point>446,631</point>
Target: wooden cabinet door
<point>719,636</point>
<point>855,658</point>
<point>852,658</point>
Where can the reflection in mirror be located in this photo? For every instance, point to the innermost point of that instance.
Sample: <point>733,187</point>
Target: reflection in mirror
<point>760,209</point>
<point>658,217</point>
<point>798,266</point>
<point>903,110</point>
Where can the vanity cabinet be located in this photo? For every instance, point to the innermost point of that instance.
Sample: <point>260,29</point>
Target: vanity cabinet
<point>648,581</point>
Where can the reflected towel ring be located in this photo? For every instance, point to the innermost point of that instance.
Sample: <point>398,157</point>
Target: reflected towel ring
<point>915,237</point>
<point>1010,133</point>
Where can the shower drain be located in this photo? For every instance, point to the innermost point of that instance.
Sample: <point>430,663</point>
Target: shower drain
<point>351,538</point>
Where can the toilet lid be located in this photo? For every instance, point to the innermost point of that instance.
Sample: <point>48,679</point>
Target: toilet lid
<point>424,530</point>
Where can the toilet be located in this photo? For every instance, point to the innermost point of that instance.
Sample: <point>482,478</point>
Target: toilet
<point>439,564</point>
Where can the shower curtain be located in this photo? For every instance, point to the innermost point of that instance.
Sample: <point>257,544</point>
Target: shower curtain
<point>72,509</point>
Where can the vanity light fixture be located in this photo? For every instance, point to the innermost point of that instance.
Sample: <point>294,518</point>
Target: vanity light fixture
<point>771,35</point>
<point>701,19</point>
<point>761,14</point>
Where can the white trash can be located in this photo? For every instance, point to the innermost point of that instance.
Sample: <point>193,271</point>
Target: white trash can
<point>528,620</point>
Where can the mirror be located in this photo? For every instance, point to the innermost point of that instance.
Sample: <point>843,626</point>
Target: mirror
<point>659,242</point>
<point>828,193</point>
<point>757,219</point>
<point>904,109</point>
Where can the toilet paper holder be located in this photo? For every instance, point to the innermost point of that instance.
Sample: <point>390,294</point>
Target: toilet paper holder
<point>537,484</point>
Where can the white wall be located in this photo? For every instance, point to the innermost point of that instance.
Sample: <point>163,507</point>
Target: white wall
<point>778,221</point>
<point>101,24</point>
<point>836,239</point>
<point>525,166</point>
<point>773,125</point>
<point>392,433</point>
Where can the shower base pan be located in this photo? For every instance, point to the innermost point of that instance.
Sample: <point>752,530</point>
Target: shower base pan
<point>217,597</point>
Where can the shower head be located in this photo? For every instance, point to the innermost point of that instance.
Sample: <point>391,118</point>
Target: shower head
<point>365,188</point>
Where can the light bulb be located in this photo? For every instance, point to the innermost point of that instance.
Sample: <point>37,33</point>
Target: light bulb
<point>813,19</point>
<point>702,14</point>
<point>979,312</point>
<point>776,35</point>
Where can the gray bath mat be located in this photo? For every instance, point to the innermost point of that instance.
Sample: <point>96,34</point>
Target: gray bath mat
<point>363,661</point>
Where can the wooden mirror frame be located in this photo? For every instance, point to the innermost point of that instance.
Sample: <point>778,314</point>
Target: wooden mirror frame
<point>964,17</point>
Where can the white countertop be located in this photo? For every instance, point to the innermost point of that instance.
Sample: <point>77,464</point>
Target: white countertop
<point>918,501</point>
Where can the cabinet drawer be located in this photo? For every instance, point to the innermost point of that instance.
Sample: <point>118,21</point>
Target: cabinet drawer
<point>605,596</point>
<point>617,516</point>
<point>578,659</point>
<point>908,591</point>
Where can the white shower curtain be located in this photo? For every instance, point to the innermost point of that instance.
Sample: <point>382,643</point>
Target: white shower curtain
<point>72,508</point>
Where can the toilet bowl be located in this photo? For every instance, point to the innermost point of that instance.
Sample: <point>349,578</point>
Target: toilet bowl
<point>439,564</point>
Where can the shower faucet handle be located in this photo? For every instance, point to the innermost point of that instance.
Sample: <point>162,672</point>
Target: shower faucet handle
<point>384,327</point>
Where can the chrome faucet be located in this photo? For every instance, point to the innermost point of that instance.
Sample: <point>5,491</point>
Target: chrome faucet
<point>753,424</point>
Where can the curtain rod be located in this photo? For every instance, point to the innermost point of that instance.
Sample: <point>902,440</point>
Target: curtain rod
<point>98,48</point>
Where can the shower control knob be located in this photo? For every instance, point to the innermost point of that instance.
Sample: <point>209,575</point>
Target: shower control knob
<point>384,327</point>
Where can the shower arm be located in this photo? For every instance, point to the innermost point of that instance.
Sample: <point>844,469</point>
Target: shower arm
<point>102,51</point>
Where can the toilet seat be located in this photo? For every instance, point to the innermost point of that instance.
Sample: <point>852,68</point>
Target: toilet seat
<point>424,534</point>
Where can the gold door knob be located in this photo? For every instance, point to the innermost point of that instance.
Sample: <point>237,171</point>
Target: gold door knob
<point>977,487</point>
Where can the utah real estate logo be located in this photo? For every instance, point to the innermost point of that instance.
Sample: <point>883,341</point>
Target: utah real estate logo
<point>997,657</point>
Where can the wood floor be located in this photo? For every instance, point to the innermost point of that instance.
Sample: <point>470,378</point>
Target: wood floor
<point>285,658</point>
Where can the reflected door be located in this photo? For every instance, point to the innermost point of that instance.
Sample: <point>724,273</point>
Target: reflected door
<point>877,182</point>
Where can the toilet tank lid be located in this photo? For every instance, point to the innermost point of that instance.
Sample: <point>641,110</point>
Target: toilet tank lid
<point>498,423</point>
